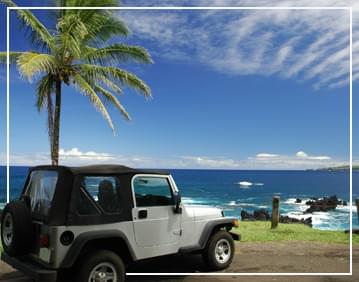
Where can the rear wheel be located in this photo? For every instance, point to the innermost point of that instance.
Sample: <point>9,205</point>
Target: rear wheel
<point>219,251</point>
<point>101,266</point>
<point>17,234</point>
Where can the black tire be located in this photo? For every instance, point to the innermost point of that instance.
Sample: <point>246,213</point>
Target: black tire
<point>95,259</point>
<point>222,260</point>
<point>17,235</point>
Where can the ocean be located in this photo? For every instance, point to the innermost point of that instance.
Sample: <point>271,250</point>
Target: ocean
<point>222,188</point>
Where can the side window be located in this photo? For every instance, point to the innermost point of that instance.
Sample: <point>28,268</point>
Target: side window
<point>104,190</point>
<point>152,191</point>
<point>84,204</point>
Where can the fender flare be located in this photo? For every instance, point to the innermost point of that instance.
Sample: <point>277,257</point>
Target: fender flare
<point>80,241</point>
<point>206,233</point>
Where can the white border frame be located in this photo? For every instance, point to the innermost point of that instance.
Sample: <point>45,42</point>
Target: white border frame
<point>350,9</point>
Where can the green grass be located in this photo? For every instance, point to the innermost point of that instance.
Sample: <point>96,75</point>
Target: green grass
<point>260,231</point>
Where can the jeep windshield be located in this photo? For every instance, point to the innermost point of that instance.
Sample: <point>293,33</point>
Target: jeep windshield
<point>40,189</point>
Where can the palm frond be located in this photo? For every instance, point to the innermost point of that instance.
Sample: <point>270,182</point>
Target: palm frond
<point>31,64</point>
<point>109,28</point>
<point>113,86</point>
<point>124,77</point>
<point>13,56</point>
<point>118,53</point>
<point>111,98</point>
<point>71,33</point>
<point>87,90</point>
<point>101,24</point>
<point>39,32</point>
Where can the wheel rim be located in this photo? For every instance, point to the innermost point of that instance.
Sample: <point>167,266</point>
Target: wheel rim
<point>103,272</point>
<point>8,229</point>
<point>222,251</point>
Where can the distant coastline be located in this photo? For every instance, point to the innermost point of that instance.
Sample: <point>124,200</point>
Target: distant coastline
<point>336,168</point>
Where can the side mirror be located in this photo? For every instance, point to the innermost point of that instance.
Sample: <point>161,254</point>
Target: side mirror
<point>177,202</point>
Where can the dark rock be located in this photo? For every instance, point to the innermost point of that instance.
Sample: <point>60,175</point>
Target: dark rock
<point>287,219</point>
<point>298,201</point>
<point>307,221</point>
<point>246,215</point>
<point>261,214</point>
<point>323,205</point>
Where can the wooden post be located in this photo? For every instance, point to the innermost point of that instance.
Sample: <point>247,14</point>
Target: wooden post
<point>275,211</point>
<point>357,203</point>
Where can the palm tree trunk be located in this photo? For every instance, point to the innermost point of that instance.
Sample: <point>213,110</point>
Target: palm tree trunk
<point>56,127</point>
<point>50,122</point>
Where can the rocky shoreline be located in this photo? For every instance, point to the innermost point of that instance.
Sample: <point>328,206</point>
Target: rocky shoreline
<point>324,204</point>
<point>263,214</point>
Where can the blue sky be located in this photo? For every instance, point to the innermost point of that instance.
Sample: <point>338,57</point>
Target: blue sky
<point>238,90</point>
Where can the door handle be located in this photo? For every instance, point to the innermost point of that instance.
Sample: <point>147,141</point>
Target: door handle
<point>142,214</point>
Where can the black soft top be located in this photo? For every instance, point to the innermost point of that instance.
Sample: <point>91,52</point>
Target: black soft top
<point>102,169</point>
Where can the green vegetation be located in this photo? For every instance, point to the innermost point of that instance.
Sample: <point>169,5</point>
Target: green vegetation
<point>339,168</point>
<point>260,231</point>
<point>77,53</point>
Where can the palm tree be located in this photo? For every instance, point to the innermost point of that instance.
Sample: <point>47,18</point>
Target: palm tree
<point>76,53</point>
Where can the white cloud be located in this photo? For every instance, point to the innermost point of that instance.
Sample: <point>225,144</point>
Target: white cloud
<point>301,154</point>
<point>266,155</point>
<point>75,156</point>
<point>208,162</point>
<point>75,153</point>
<point>300,160</point>
<point>304,155</point>
<point>297,44</point>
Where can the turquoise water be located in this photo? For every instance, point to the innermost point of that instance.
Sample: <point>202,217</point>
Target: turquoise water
<point>221,188</point>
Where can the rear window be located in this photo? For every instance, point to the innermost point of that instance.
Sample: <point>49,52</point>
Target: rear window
<point>41,189</point>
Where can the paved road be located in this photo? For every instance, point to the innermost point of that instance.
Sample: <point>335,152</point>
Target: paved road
<point>250,258</point>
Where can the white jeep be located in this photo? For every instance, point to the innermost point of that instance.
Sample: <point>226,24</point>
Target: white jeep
<point>97,219</point>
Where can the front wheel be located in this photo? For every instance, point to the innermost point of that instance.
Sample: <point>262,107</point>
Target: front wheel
<point>102,265</point>
<point>219,251</point>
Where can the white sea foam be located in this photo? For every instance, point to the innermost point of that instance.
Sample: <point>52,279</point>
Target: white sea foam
<point>245,183</point>
<point>192,201</point>
<point>232,203</point>
<point>293,201</point>
<point>248,199</point>
<point>297,215</point>
<point>346,208</point>
<point>247,205</point>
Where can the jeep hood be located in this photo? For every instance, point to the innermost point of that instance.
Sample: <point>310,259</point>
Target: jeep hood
<point>202,212</point>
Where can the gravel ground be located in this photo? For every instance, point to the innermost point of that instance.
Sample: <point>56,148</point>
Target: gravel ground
<point>269,257</point>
